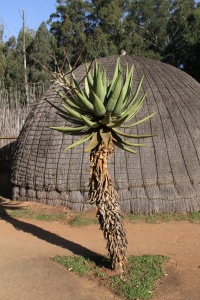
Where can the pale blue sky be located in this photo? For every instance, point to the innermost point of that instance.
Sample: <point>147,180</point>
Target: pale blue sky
<point>35,11</point>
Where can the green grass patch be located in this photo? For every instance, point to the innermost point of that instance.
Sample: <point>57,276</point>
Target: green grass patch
<point>27,213</point>
<point>162,218</point>
<point>85,219</point>
<point>138,282</point>
<point>82,220</point>
<point>78,264</point>
<point>141,277</point>
<point>20,213</point>
<point>46,217</point>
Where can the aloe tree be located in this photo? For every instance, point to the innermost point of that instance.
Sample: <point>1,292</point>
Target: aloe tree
<point>98,111</point>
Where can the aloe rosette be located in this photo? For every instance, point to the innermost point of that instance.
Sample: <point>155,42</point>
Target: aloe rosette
<point>101,107</point>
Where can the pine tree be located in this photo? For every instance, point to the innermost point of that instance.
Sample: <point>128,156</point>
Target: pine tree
<point>41,49</point>
<point>106,30</point>
<point>94,28</point>
<point>68,25</point>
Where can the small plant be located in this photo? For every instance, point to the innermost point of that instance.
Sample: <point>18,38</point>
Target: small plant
<point>99,273</point>
<point>141,277</point>
<point>138,282</point>
<point>77,263</point>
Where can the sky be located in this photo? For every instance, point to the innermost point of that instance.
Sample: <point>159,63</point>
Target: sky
<point>35,12</point>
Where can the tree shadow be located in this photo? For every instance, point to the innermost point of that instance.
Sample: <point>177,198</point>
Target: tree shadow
<point>52,238</point>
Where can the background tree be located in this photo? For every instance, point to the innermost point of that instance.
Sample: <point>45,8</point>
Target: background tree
<point>2,55</point>
<point>42,49</point>
<point>14,70</point>
<point>105,30</point>
<point>131,40</point>
<point>96,27</point>
<point>184,34</point>
<point>1,32</point>
<point>191,62</point>
<point>103,27</point>
<point>68,27</point>
<point>148,19</point>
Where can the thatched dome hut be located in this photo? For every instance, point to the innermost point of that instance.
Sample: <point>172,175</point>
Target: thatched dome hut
<point>162,177</point>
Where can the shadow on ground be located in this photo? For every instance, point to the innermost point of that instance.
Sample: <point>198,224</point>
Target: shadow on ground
<point>40,233</point>
<point>50,237</point>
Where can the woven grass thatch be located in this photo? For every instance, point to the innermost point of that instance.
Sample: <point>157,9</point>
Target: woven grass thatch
<point>162,177</point>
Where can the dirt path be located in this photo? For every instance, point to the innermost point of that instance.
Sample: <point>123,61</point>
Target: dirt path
<point>27,273</point>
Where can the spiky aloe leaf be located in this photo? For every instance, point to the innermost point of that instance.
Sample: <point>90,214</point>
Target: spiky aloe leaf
<point>95,140</point>
<point>119,139</point>
<point>74,83</point>
<point>106,120</point>
<point>131,101</point>
<point>124,93</point>
<point>83,101</point>
<point>86,88</point>
<point>68,101</point>
<point>67,117</point>
<point>122,146</point>
<point>116,72</point>
<point>99,108</point>
<point>135,108</point>
<point>139,122</point>
<point>114,95</point>
<point>81,141</point>
<point>72,112</point>
<point>98,87</point>
<point>135,136</point>
<point>89,77</point>
<point>106,136</point>
<point>117,123</point>
<point>104,78</point>
<point>130,113</point>
<point>71,130</point>
<point>90,123</point>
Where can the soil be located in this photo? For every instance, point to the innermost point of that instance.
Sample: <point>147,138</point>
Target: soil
<point>26,246</point>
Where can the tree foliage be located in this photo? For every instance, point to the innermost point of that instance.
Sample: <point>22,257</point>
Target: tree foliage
<point>183,49</point>
<point>68,26</point>
<point>41,49</point>
<point>151,18</point>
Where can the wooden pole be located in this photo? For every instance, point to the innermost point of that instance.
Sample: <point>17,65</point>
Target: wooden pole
<point>24,57</point>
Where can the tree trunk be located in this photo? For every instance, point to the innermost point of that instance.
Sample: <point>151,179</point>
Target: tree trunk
<point>103,193</point>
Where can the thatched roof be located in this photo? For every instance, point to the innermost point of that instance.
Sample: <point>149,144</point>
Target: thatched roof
<point>164,176</point>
